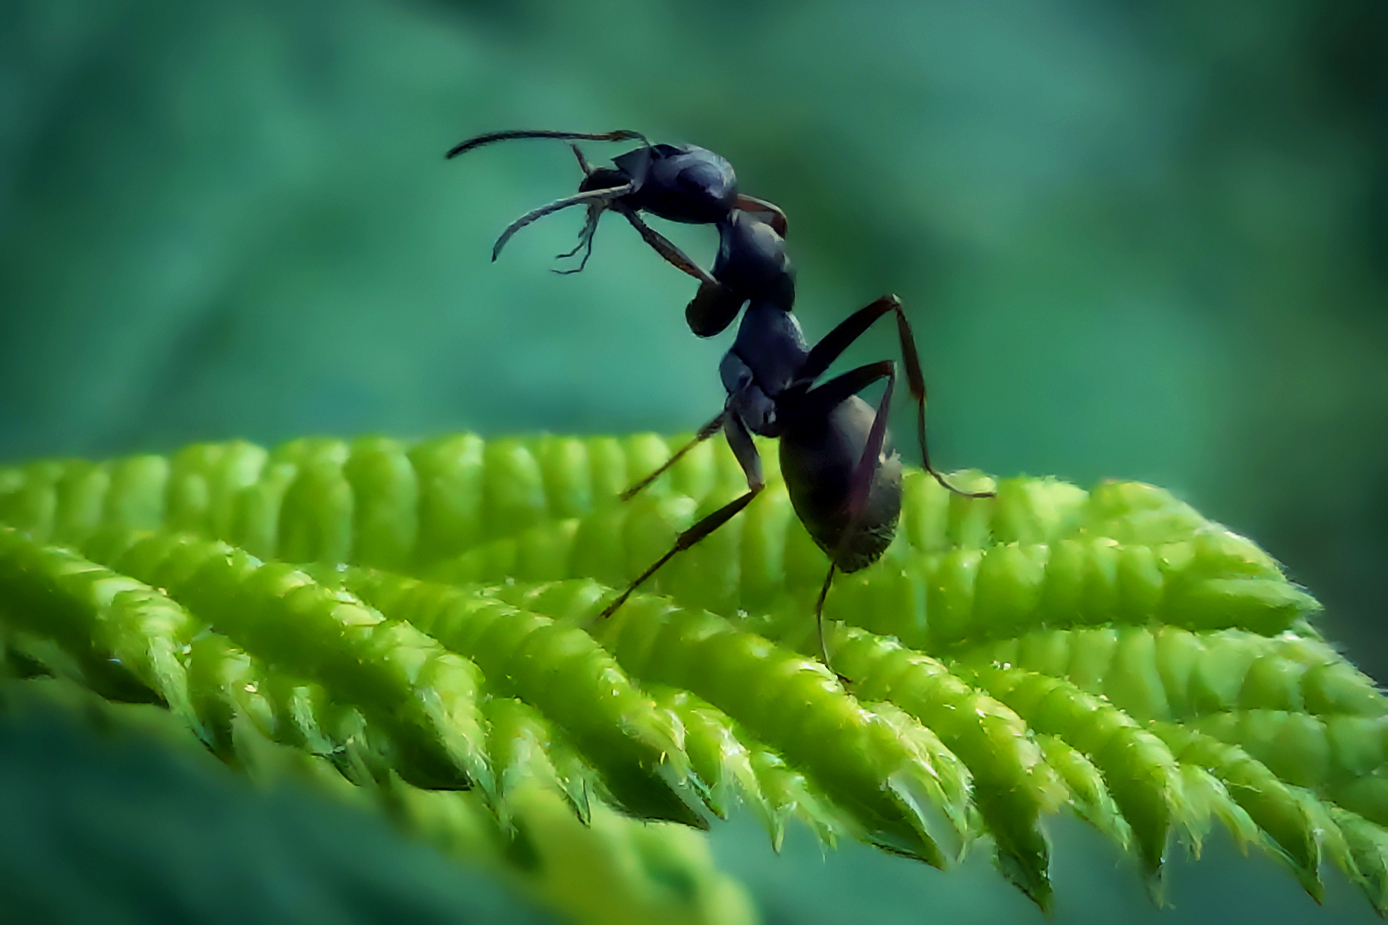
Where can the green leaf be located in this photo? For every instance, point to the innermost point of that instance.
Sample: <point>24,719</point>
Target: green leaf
<point>414,619</point>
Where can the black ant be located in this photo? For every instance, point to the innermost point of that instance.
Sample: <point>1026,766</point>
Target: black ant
<point>843,477</point>
<point>681,183</point>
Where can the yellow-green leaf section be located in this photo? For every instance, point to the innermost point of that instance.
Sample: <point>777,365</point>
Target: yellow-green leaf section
<point>420,620</point>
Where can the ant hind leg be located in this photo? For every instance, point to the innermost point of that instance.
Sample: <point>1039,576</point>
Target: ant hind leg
<point>849,330</point>
<point>819,627</point>
<point>819,402</point>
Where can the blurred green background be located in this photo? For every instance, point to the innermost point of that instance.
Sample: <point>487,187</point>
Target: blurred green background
<point>1137,240</point>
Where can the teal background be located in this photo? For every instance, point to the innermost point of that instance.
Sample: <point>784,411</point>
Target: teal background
<point>1137,240</point>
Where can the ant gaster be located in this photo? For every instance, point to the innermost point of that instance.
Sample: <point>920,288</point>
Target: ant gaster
<point>681,183</point>
<point>842,475</point>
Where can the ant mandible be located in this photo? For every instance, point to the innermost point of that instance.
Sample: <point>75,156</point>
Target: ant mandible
<point>842,475</point>
<point>681,183</point>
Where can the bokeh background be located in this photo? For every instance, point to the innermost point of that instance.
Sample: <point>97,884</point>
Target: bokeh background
<point>1136,239</point>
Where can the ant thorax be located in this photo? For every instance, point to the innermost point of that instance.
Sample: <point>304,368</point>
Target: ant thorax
<point>752,260</point>
<point>764,360</point>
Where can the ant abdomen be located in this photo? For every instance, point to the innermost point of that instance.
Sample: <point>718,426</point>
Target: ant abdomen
<point>819,457</point>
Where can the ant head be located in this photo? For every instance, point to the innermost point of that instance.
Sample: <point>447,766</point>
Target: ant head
<point>682,183</point>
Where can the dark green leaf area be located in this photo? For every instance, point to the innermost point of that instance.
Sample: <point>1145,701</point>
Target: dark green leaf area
<point>1013,786</point>
<point>564,673</point>
<point>883,775</point>
<point>285,617</point>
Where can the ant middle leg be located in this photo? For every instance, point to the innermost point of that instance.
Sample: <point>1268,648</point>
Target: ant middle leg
<point>746,452</point>
<point>850,329</point>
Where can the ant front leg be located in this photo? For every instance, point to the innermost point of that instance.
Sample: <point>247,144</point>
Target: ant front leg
<point>590,224</point>
<point>746,452</point>
<point>849,330</point>
<point>583,164</point>
<point>663,246</point>
<point>708,430</point>
<point>585,241</point>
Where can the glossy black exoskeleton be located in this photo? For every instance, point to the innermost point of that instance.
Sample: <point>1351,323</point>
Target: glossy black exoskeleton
<point>836,456</point>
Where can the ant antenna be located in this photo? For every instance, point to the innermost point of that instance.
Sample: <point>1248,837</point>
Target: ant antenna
<point>491,137</point>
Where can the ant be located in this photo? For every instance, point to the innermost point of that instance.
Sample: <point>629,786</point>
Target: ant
<point>681,183</point>
<point>842,474</point>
